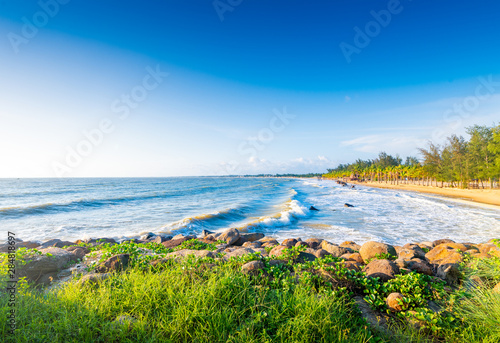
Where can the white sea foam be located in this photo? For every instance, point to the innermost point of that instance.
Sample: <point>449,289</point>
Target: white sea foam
<point>76,208</point>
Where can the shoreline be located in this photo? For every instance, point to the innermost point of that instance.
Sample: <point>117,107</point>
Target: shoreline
<point>484,196</point>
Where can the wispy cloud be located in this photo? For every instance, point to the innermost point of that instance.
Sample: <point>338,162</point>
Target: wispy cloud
<point>255,165</point>
<point>403,144</point>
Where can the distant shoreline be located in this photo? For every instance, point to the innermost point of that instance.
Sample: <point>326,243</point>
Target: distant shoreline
<point>484,196</point>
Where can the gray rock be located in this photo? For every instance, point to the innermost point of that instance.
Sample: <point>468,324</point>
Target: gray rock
<point>377,320</point>
<point>420,266</point>
<point>38,266</point>
<point>253,267</point>
<point>79,252</point>
<point>448,272</point>
<point>160,239</point>
<point>147,236</point>
<point>99,241</point>
<point>174,242</point>
<point>114,264</point>
<point>50,243</point>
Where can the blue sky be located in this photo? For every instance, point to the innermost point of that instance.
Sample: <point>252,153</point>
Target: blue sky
<point>164,88</point>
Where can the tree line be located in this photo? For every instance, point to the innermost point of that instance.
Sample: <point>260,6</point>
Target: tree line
<point>472,163</point>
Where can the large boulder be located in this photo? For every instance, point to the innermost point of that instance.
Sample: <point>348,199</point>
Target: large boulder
<point>446,253</point>
<point>393,300</point>
<point>252,245</point>
<point>383,269</point>
<point>238,252</point>
<point>313,243</point>
<point>414,251</point>
<point>490,249</point>
<point>50,261</point>
<point>371,249</point>
<point>268,239</point>
<point>146,236</point>
<point>441,241</point>
<point>305,257</point>
<point>116,263</point>
<point>55,243</point>
<point>320,253</point>
<point>302,257</point>
<point>289,242</point>
<point>248,237</point>
<point>278,250</point>
<point>334,249</point>
<point>253,267</point>
<point>449,272</point>
<point>270,244</point>
<point>174,242</point>
<point>356,257</point>
<point>79,252</point>
<point>302,244</point>
<point>351,245</point>
<point>420,266</point>
<point>230,236</point>
<point>160,239</point>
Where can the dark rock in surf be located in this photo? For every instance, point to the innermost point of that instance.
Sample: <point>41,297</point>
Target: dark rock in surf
<point>146,236</point>
<point>312,208</point>
<point>205,233</point>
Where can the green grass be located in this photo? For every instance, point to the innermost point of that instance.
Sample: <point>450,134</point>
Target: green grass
<point>187,302</point>
<point>213,301</point>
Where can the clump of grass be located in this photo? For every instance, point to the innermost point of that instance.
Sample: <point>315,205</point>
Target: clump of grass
<point>211,300</point>
<point>187,303</point>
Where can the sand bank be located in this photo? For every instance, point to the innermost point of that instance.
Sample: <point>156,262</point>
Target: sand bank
<point>485,196</point>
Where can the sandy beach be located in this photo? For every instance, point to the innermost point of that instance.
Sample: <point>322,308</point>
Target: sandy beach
<point>485,196</point>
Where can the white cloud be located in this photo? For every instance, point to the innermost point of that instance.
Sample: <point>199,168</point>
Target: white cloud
<point>395,144</point>
<point>255,165</point>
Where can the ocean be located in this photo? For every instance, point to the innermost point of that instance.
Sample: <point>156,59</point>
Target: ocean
<point>70,209</point>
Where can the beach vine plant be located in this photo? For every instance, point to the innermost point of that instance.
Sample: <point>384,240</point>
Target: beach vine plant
<point>290,299</point>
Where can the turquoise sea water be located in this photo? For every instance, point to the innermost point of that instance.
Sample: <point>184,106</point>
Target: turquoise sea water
<point>39,209</point>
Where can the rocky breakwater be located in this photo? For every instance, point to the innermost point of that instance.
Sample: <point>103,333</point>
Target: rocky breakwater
<point>380,277</point>
<point>440,258</point>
